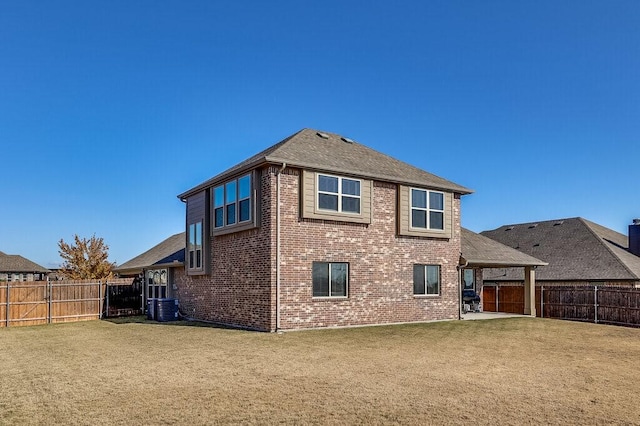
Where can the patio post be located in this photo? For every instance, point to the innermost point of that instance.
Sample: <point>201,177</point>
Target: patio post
<point>529,291</point>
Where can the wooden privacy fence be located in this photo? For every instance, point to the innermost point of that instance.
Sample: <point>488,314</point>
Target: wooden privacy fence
<point>599,304</point>
<point>46,302</point>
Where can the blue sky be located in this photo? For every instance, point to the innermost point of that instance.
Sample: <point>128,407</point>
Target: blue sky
<point>109,109</point>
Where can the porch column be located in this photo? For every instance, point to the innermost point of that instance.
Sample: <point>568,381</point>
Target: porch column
<point>529,291</point>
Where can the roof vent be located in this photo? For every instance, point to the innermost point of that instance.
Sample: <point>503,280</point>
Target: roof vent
<point>509,228</point>
<point>558,223</point>
<point>323,135</point>
<point>347,140</point>
<point>536,245</point>
<point>533,226</point>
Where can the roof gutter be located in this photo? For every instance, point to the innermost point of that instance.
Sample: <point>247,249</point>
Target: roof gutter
<point>462,263</point>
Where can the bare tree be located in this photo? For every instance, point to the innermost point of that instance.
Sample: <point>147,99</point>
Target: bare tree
<point>86,258</point>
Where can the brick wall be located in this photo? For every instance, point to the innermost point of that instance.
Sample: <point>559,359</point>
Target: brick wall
<point>241,289</point>
<point>238,292</point>
<point>380,265</point>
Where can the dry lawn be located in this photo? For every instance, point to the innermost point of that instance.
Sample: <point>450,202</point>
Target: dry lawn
<point>507,371</point>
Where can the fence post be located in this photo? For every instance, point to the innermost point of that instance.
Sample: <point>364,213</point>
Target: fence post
<point>541,301</point>
<point>49,304</point>
<point>100,297</point>
<point>595,302</point>
<point>8,304</point>
<point>497,298</point>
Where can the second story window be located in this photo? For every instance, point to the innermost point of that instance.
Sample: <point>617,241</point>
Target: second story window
<point>338,194</point>
<point>195,246</point>
<point>427,209</point>
<point>232,202</point>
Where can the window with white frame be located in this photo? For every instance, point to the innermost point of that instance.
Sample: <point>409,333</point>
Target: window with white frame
<point>232,202</point>
<point>338,194</point>
<point>426,280</point>
<point>427,209</point>
<point>330,279</point>
<point>195,246</point>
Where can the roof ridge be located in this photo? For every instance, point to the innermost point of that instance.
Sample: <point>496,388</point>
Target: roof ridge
<point>538,222</point>
<point>588,224</point>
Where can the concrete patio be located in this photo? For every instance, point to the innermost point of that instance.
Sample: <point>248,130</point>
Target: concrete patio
<point>470,316</point>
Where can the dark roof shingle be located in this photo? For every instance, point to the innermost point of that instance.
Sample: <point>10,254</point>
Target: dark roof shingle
<point>575,248</point>
<point>169,251</point>
<point>324,151</point>
<point>481,251</point>
<point>17,264</point>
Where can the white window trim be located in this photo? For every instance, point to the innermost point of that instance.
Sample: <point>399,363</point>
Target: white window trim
<point>236,202</point>
<point>339,194</point>
<point>428,209</point>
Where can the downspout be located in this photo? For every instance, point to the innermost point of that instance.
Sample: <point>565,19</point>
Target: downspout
<point>284,166</point>
<point>460,267</point>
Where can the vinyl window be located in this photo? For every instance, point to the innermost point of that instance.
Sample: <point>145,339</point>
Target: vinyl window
<point>157,283</point>
<point>195,246</point>
<point>330,279</point>
<point>426,280</point>
<point>427,209</point>
<point>468,277</point>
<point>338,194</point>
<point>232,202</point>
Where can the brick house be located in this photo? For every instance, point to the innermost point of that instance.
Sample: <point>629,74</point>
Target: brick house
<point>318,231</point>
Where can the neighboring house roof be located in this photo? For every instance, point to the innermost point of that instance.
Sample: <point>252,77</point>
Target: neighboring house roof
<point>15,263</point>
<point>480,251</point>
<point>329,152</point>
<point>169,252</point>
<point>575,248</point>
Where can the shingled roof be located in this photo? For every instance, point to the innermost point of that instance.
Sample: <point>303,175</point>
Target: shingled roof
<point>575,248</point>
<point>14,263</point>
<point>481,251</point>
<point>168,252</point>
<point>329,152</point>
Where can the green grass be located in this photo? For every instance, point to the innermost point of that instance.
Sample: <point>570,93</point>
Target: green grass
<point>508,371</point>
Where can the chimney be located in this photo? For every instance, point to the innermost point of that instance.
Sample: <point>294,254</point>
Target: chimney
<point>634,237</point>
